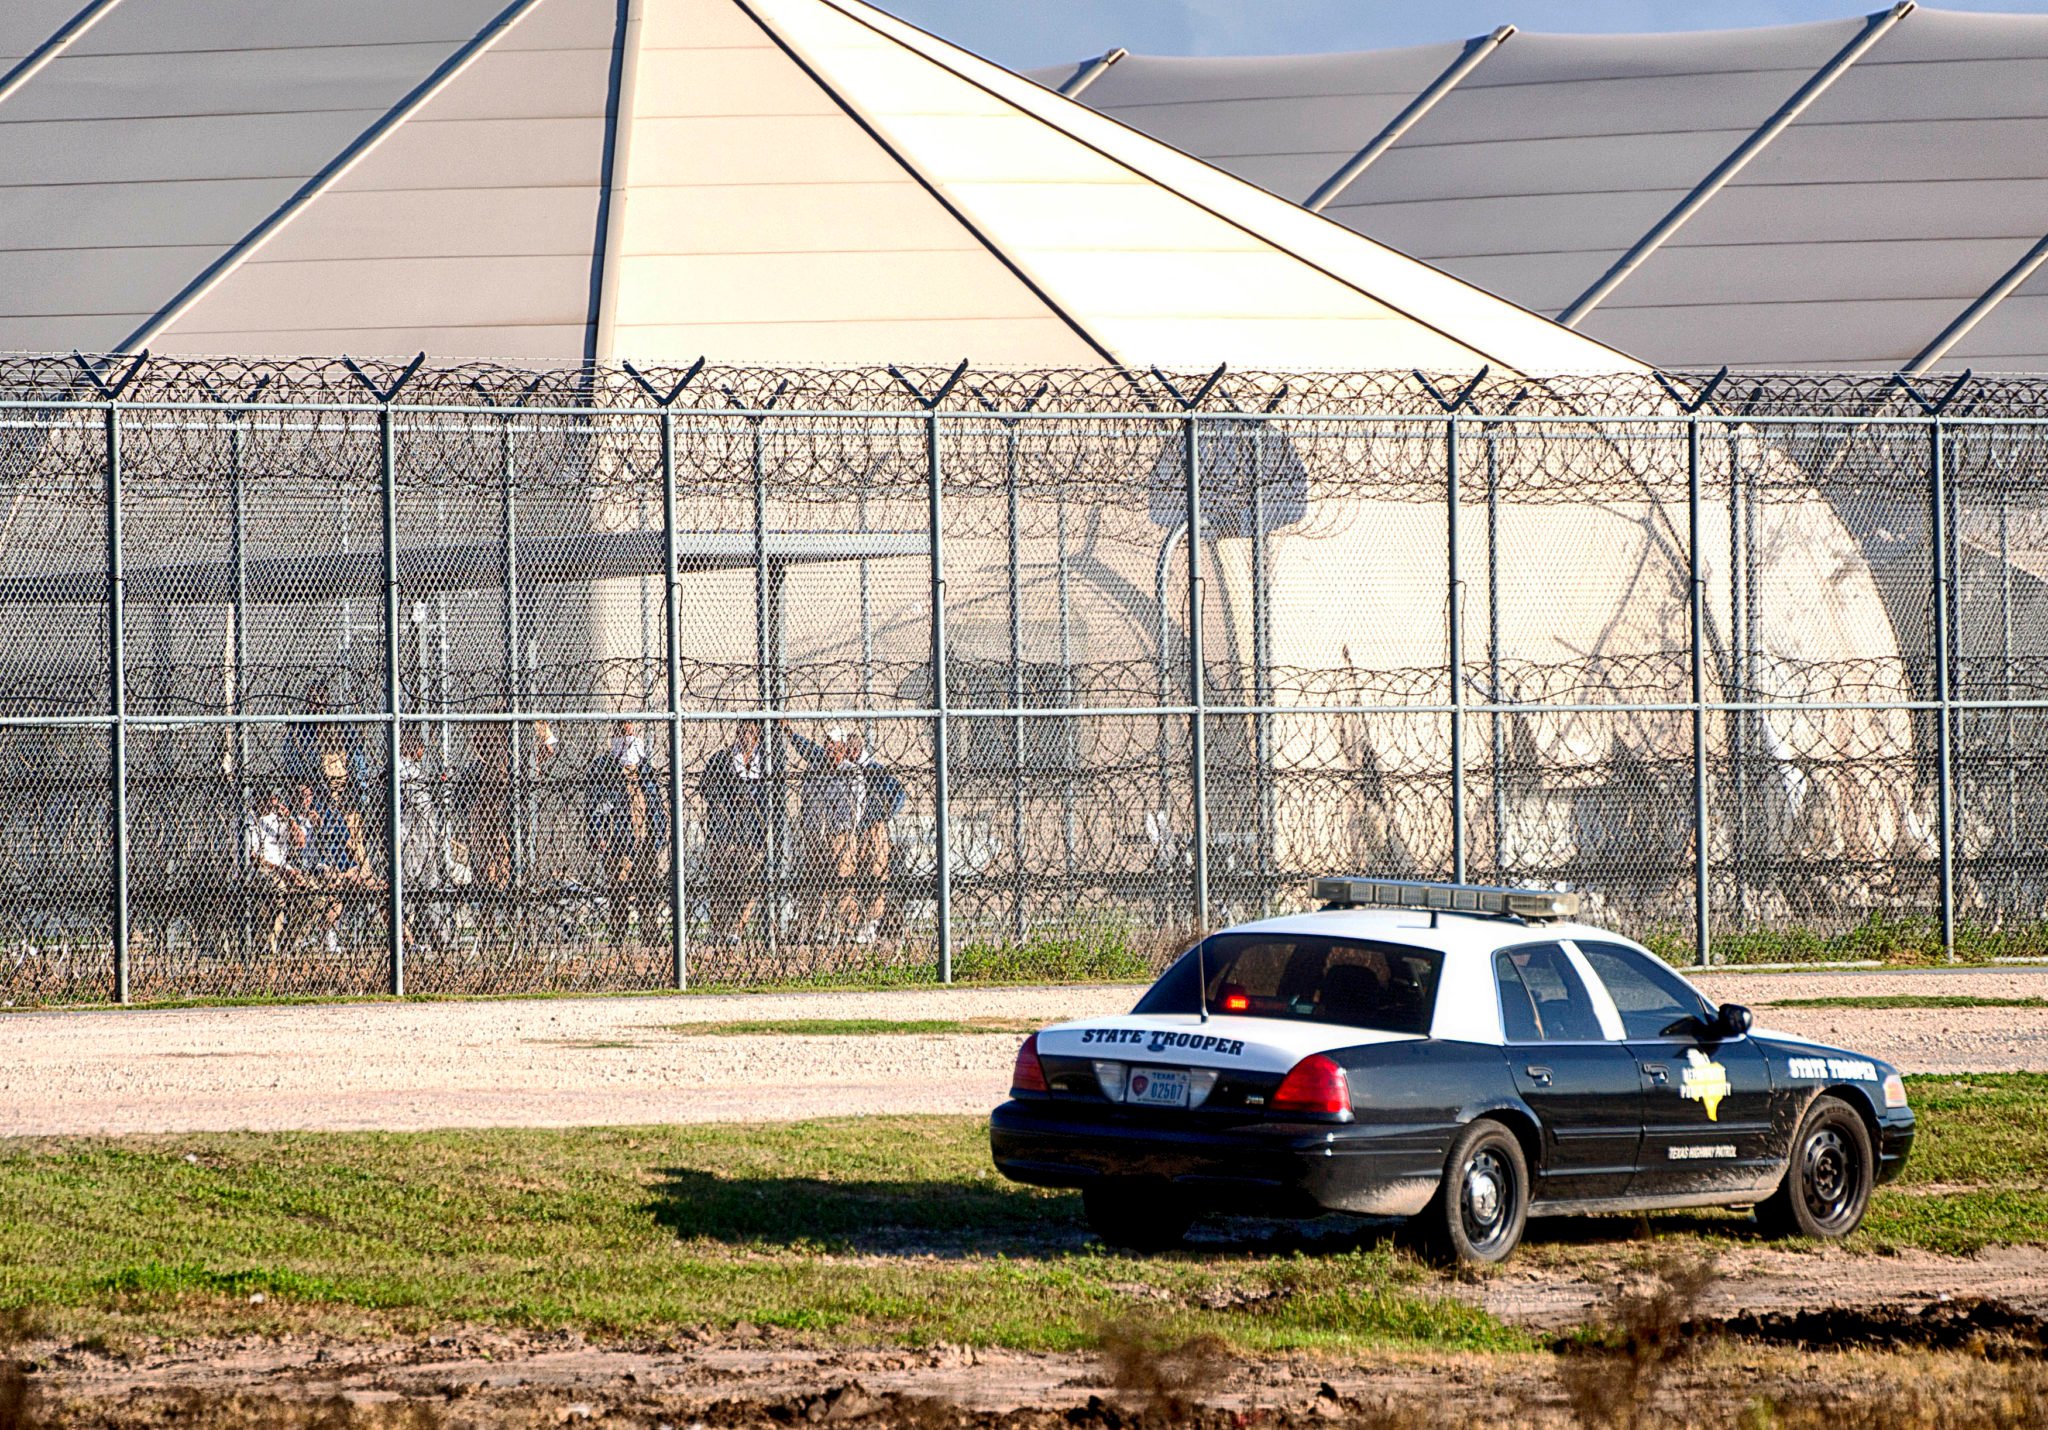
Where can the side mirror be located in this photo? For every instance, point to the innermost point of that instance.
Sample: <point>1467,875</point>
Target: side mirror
<point>1733,1020</point>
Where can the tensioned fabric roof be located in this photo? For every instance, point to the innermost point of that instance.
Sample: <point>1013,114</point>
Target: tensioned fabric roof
<point>554,180</point>
<point>1908,188</point>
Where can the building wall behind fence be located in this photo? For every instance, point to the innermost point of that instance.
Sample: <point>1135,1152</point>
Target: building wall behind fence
<point>1669,629</point>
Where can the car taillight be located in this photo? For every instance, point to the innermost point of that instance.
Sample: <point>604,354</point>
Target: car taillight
<point>1029,1073</point>
<point>1235,1002</point>
<point>1315,1085</point>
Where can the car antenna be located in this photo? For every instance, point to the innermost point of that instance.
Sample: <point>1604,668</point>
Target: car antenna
<point>1202,976</point>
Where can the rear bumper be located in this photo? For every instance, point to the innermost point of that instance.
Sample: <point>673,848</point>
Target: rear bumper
<point>1272,1169</point>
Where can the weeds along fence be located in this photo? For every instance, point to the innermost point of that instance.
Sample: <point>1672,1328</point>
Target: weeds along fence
<point>336,677</point>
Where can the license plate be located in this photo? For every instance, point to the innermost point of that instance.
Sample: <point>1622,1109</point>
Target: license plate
<point>1150,1087</point>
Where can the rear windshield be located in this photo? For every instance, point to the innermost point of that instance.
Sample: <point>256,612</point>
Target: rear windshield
<point>1389,988</point>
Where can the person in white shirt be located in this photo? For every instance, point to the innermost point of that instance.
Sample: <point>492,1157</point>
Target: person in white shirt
<point>271,839</point>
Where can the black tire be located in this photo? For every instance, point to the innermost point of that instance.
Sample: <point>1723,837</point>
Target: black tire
<point>1828,1177</point>
<point>1482,1204</point>
<point>1136,1215</point>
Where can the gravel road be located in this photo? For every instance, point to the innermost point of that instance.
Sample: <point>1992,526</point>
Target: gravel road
<point>608,1061</point>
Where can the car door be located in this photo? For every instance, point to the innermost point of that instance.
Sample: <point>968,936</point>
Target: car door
<point>1706,1099</point>
<point>1583,1086</point>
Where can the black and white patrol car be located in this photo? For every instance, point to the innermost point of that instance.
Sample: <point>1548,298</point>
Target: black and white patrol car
<point>1465,1056</point>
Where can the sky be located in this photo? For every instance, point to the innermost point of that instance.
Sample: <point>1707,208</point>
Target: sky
<point>1026,33</point>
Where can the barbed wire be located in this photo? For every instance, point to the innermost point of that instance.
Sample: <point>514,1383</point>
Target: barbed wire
<point>914,388</point>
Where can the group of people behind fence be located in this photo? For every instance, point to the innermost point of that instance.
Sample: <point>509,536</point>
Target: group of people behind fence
<point>305,843</point>
<point>308,844</point>
<point>846,799</point>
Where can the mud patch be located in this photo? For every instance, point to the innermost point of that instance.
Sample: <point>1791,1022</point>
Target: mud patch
<point>1993,1329</point>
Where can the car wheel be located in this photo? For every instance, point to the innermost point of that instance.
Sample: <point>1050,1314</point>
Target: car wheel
<point>1482,1203</point>
<point>1137,1216</point>
<point>1827,1178</point>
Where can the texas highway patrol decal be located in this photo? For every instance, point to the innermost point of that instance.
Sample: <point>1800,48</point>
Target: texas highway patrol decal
<point>1703,1081</point>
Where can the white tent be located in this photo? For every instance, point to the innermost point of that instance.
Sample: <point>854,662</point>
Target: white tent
<point>1861,192</point>
<point>762,180</point>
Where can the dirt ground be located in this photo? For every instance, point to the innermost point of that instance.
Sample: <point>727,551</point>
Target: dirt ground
<point>1780,1324</point>
<point>610,1061</point>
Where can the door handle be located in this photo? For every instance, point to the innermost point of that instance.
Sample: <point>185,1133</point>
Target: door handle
<point>1658,1072</point>
<point>1539,1075</point>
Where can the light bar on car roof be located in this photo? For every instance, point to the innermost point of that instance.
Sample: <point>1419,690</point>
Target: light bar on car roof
<point>1534,904</point>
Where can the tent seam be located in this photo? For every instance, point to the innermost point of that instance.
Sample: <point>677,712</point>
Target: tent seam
<point>53,47</point>
<point>874,132</point>
<point>364,144</point>
<point>1240,226</point>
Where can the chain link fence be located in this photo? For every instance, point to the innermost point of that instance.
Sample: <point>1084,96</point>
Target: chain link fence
<point>350,678</point>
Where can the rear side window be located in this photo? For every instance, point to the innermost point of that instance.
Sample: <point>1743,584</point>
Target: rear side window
<point>1383,987</point>
<point>1654,1001</point>
<point>1542,998</point>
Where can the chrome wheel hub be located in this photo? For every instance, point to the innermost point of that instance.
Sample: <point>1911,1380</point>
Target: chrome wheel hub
<point>1483,1194</point>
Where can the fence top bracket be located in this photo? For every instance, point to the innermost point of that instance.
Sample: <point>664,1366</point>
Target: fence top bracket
<point>1705,395</point>
<point>91,369</point>
<point>1465,394</point>
<point>1940,404</point>
<point>929,401</point>
<point>1189,404</point>
<point>384,394</point>
<point>668,399</point>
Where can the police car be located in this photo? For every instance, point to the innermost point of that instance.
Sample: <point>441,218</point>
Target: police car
<point>1466,1056</point>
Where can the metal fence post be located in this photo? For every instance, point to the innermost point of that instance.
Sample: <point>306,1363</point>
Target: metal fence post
<point>117,691</point>
<point>679,906</point>
<point>774,766</point>
<point>1496,727</point>
<point>238,740</point>
<point>1018,918</point>
<point>1455,584</point>
<point>1262,678</point>
<point>393,842</point>
<point>1944,788</point>
<point>1737,684</point>
<point>942,803</point>
<point>1696,591</point>
<point>1198,684</point>
<point>515,666</point>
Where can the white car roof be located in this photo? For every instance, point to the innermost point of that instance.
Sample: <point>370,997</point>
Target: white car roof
<point>1467,1007</point>
<point>1454,935</point>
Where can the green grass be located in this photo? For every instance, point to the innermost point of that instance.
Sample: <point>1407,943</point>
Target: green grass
<point>881,1230</point>
<point>1983,1139</point>
<point>1911,940</point>
<point>1910,1000</point>
<point>877,1230</point>
<point>1107,952</point>
<point>851,1027</point>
